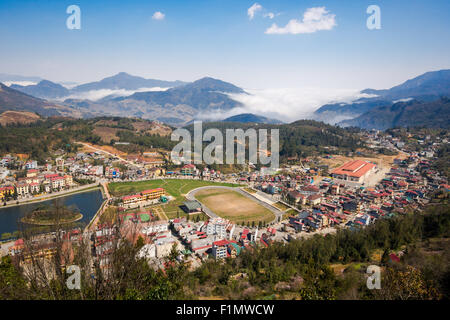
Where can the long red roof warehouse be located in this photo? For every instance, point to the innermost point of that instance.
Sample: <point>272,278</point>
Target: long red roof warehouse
<point>356,168</point>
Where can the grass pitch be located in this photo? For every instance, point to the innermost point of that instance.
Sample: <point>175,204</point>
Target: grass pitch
<point>234,206</point>
<point>177,188</point>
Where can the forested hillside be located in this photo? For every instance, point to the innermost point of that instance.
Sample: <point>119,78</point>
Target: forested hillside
<point>301,138</point>
<point>39,138</point>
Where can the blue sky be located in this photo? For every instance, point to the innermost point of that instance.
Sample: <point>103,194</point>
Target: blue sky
<point>217,38</point>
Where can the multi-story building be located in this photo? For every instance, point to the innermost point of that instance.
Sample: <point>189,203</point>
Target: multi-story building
<point>34,187</point>
<point>131,200</point>
<point>68,180</point>
<point>31,173</point>
<point>60,164</point>
<point>219,249</point>
<point>217,227</point>
<point>4,191</point>
<point>22,189</point>
<point>48,177</point>
<point>144,198</point>
<point>152,194</point>
<point>156,227</point>
<point>58,182</point>
<point>31,165</point>
<point>188,170</point>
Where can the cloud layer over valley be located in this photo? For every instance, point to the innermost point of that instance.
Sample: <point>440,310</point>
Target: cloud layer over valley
<point>285,104</point>
<point>95,95</point>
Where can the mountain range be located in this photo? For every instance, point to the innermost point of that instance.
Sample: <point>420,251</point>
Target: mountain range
<point>13,100</point>
<point>125,81</point>
<point>180,103</point>
<point>427,87</point>
<point>46,89</point>
<point>411,113</point>
<point>176,106</point>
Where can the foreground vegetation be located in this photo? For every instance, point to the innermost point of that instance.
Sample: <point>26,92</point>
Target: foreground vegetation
<point>301,269</point>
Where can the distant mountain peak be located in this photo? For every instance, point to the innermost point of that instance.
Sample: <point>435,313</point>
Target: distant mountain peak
<point>426,87</point>
<point>212,84</point>
<point>44,89</point>
<point>126,81</point>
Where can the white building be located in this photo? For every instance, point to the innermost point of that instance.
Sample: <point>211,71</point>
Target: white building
<point>156,227</point>
<point>217,227</point>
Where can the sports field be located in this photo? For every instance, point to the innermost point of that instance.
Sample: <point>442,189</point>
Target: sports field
<point>177,188</point>
<point>234,206</point>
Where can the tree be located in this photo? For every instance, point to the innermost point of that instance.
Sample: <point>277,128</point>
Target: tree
<point>140,242</point>
<point>173,253</point>
<point>385,256</point>
<point>405,283</point>
<point>12,283</point>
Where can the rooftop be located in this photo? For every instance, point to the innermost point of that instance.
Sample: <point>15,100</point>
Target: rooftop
<point>356,168</point>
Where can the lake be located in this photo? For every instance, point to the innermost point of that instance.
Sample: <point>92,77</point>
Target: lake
<point>87,203</point>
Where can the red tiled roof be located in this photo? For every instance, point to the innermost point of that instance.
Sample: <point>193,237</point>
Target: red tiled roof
<point>200,248</point>
<point>49,176</point>
<point>356,168</point>
<point>221,243</point>
<point>152,190</point>
<point>131,197</point>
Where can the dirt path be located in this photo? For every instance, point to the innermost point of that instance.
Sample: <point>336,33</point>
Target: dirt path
<point>104,151</point>
<point>160,212</point>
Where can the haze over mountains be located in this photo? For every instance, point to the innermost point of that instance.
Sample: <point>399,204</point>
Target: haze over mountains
<point>427,87</point>
<point>13,100</point>
<point>122,81</point>
<point>413,113</point>
<point>179,103</point>
<point>44,89</point>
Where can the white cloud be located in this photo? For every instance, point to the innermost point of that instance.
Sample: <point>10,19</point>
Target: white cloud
<point>256,7</point>
<point>288,104</point>
<point>403,100</point>
<point>269,15</point>
<point>95,95</point>
<point>158,16</point>
<point>314,19</point>
<point>20,83</point>
<point>253,9</point>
